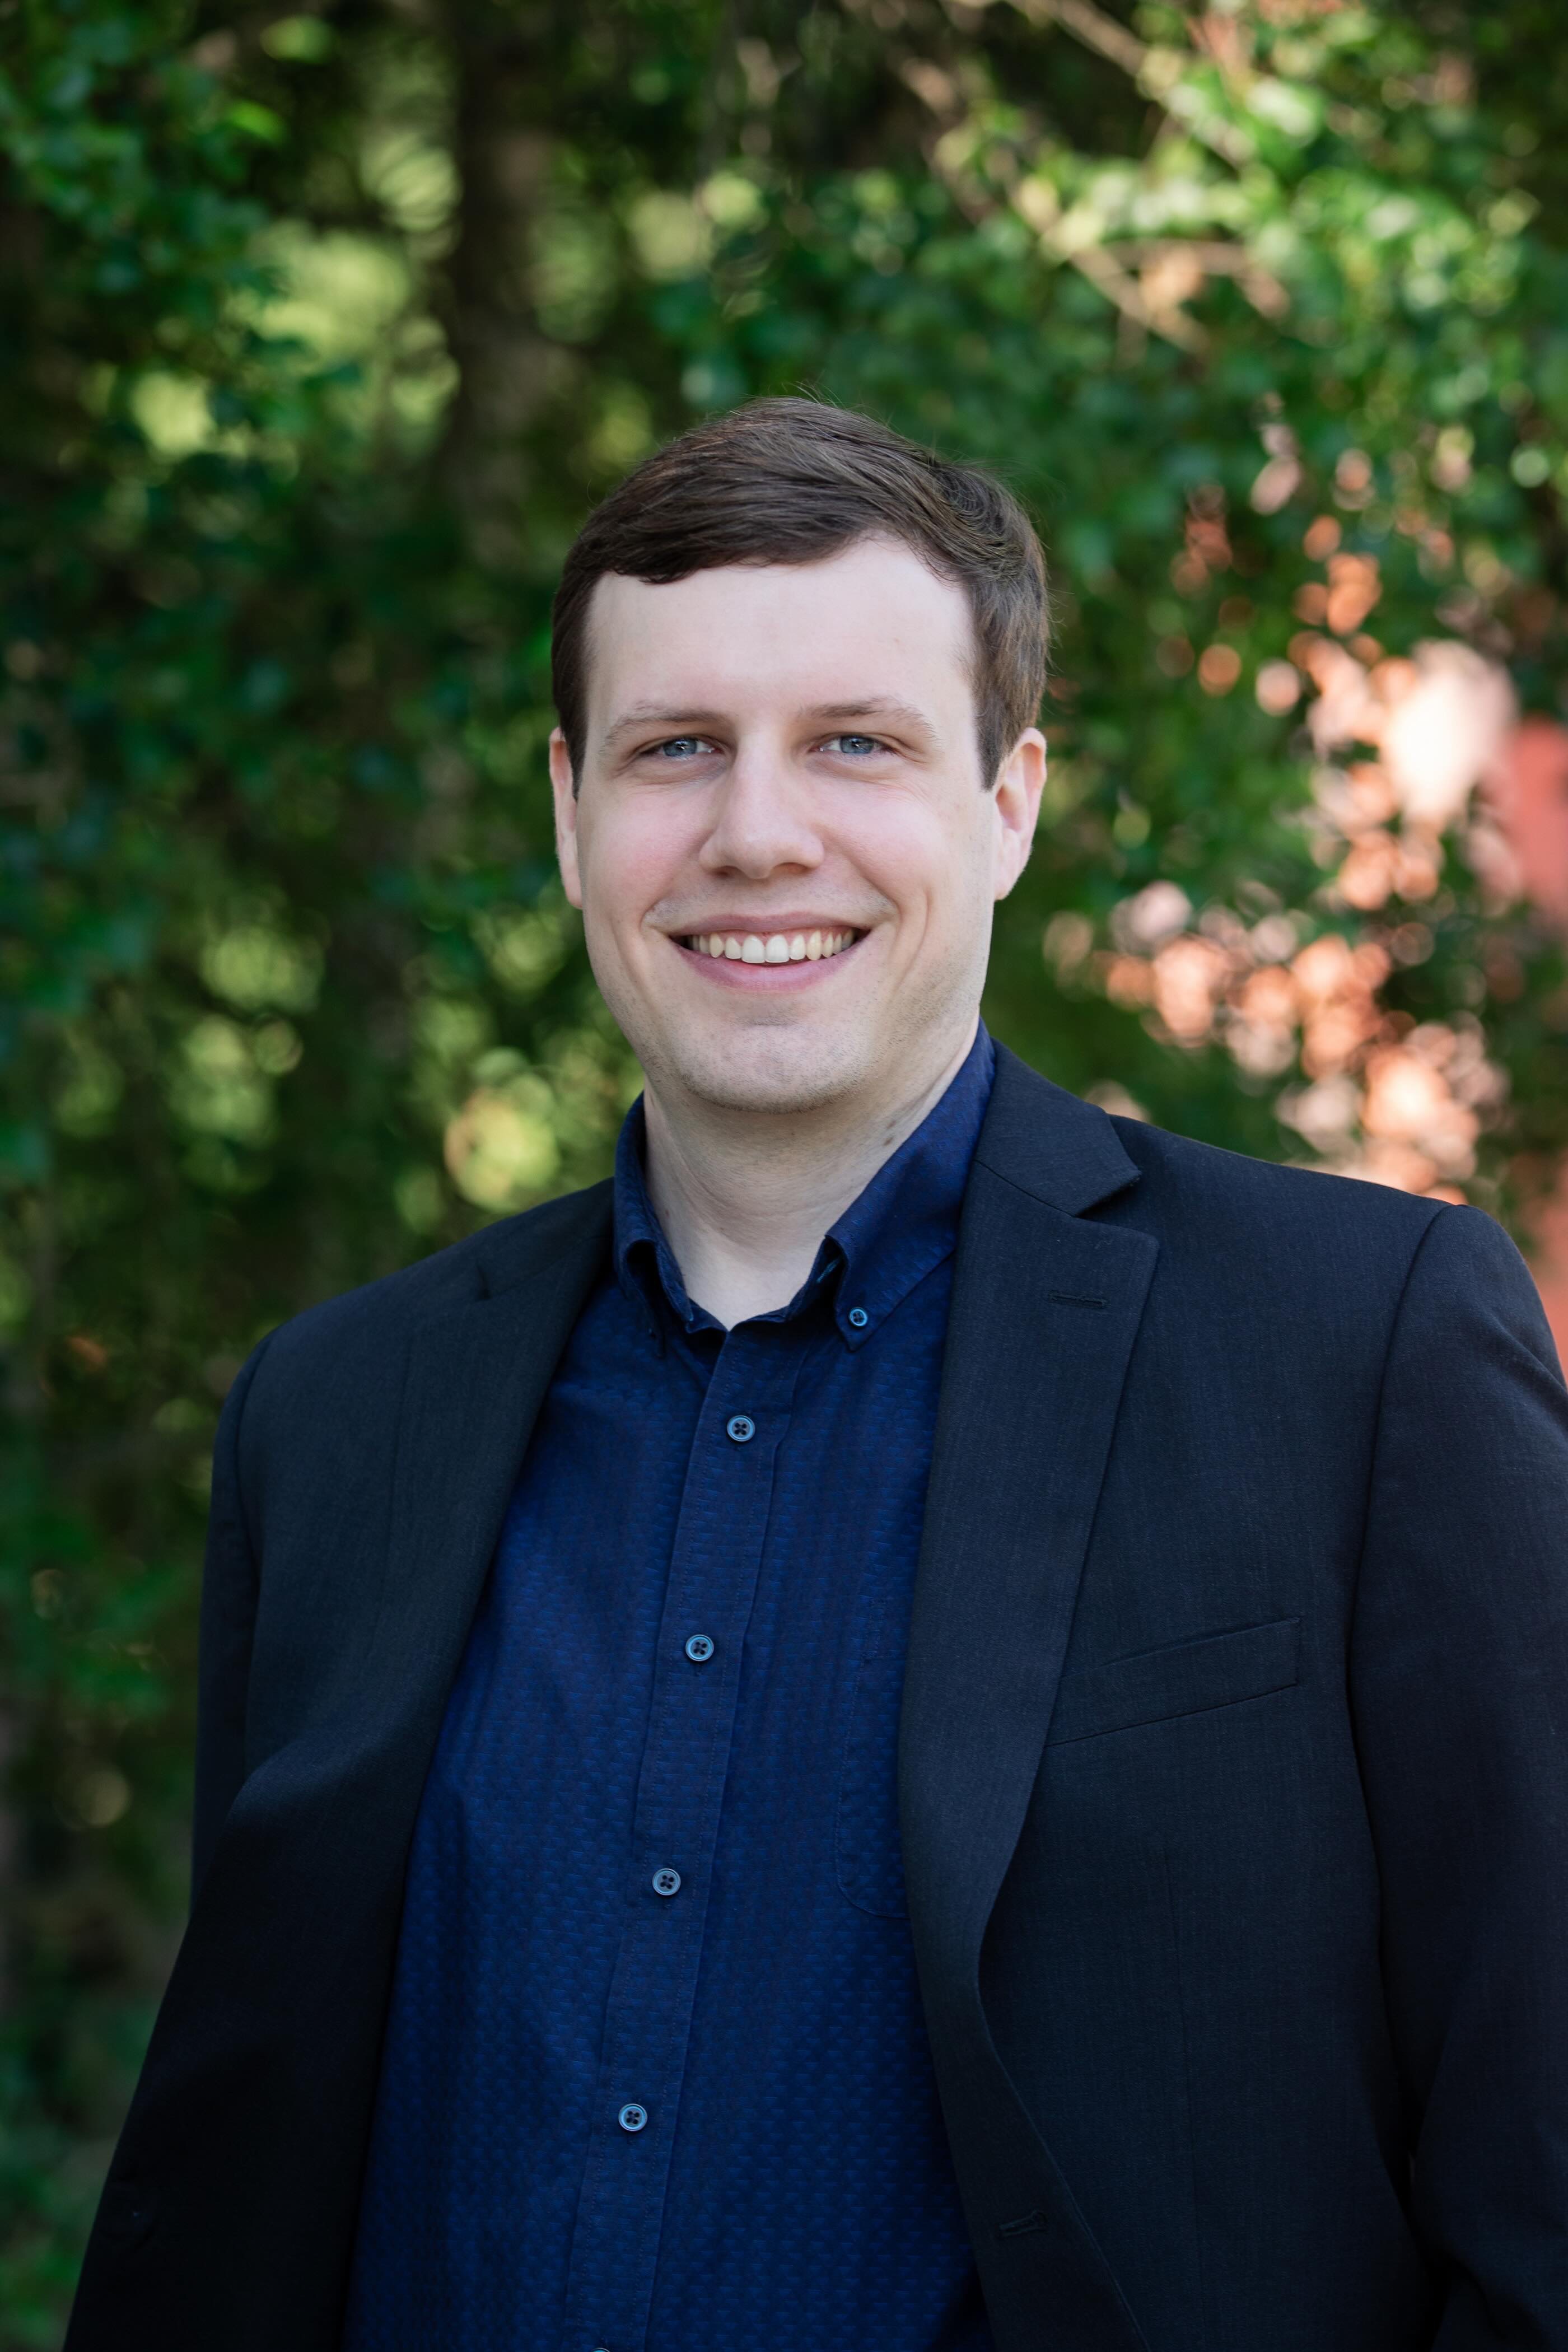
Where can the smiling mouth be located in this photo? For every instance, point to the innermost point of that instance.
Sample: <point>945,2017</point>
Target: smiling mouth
<point>770,947</point>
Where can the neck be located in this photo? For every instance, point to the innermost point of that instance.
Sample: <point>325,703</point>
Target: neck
<point>745,1197</point>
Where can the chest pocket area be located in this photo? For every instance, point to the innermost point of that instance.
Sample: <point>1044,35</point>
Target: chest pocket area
<point>1186,1678</point>
<point>868,1853</point>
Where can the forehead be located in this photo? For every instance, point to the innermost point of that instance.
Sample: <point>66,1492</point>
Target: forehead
<point>872,620</point>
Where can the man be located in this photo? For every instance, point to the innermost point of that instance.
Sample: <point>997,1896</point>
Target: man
<point>933,1720</point>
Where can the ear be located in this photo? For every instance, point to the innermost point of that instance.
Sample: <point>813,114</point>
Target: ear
<point>1016,793</point>
<point>564,785</point>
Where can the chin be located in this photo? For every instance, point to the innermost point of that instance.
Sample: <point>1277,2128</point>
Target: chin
<point>766,1075</point>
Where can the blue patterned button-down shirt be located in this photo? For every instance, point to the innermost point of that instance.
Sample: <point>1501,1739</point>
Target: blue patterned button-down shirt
<point>655,2073</point>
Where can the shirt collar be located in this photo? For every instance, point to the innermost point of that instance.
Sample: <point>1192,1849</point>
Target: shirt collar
<point>901,1226</point>
<point>645,1263</point>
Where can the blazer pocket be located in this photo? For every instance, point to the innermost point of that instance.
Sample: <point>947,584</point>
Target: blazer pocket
<point>1188,1678</point>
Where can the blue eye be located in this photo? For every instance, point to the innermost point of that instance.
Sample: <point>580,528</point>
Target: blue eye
<point>857,746</point>
<point>680,747</point>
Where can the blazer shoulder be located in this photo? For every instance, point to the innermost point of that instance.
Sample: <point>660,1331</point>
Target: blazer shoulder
<point>1194,1198</point>
<point>1256,1222</point>
<point>1177,1166</point>
<point>1324,1271</point>
<point>378,1314</point>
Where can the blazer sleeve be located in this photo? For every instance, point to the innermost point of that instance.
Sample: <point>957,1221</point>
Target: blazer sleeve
<point>1460,1692</point>
<point>229,1584</point>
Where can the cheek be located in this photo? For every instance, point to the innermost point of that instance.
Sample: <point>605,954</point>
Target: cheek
<point>931,863</point>
<point>629,861</point>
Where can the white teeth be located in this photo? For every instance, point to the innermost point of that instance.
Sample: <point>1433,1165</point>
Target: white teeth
<point>777,947</point>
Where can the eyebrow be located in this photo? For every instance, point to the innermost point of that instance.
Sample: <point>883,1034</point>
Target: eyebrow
<point>648,714</point>
<point>884,707</point>
<point>903,714</point>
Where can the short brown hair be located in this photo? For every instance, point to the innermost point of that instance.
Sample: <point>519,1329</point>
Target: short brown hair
<point>793,481</point>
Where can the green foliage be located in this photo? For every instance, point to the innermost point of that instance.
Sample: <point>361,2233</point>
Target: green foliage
<point>330,325</point>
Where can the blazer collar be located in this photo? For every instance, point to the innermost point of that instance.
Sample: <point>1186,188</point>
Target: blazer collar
<point>570,1235</point>
<point>1064,1150</point>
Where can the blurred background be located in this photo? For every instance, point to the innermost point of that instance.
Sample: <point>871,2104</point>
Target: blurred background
<point>323,331</point>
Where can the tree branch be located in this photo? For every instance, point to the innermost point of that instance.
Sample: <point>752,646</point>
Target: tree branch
<point>1165,318</point>
<point>1092,27</point>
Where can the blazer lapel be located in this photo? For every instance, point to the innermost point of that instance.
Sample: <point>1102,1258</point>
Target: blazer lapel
<point>476,1379</point>
<point>1046,1309</point>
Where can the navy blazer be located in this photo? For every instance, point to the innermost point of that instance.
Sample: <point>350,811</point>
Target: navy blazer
<point>1234,1770</point>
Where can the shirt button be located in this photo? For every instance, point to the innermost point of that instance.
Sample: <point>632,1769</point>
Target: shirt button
<point>859,1318</point>
<point>700,1649</point>
<point>667,1882</point>
<point>741,1427</point>
<point>632,2117</point>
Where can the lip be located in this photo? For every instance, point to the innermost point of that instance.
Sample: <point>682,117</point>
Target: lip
<point>768,979</point>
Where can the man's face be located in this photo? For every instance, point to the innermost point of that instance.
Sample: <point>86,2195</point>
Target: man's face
<point>781,844</point>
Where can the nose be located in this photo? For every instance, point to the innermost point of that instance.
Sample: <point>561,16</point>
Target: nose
<point>763,820</point>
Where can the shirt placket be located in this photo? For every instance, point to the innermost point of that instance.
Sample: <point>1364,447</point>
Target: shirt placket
<point>719,1544</point>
